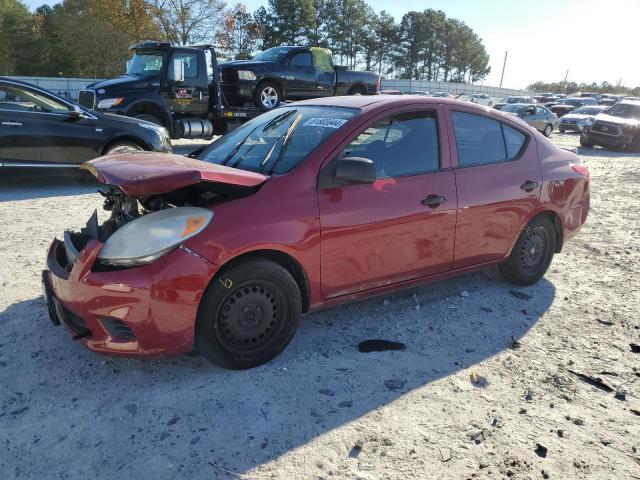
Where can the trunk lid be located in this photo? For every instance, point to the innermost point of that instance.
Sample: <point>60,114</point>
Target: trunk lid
<point>142,174</point>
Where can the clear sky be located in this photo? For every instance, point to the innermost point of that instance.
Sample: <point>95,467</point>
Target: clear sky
<point>593,39</point>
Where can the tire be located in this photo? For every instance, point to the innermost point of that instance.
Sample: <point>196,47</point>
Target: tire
<point>635,144</point>
<point>122,147</point>
<point>357,91</point>
<point>267,96</point>
<point>547,130</point>
<point>231,328</point>
<point>490,104</point>
<point>150,118</point>
<point>584,142</point>
<point>532,253</point>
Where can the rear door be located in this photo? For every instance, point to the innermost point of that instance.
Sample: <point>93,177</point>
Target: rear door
<point>498,180</point>
<point>401,226</point>
<point>300,76</point>
<point>37,128</point>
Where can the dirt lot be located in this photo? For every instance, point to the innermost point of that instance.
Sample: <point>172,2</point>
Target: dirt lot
<point>324,410</point>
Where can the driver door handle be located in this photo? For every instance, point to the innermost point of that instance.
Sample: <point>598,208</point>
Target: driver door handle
<point>529,186</point>
<point>12,124</point>
<point>434,200</point>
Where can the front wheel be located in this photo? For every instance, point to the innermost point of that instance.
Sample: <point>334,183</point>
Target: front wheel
<point>584,142</point>
<point>547,130</point>
<point>532,253</point>
<point>122,147</point>
<point>248,315</point>
<point>267,96</point>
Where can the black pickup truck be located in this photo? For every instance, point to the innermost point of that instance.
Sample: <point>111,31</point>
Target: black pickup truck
<point>618,128</point>
<point>291,73</point>
<point>175,86</point>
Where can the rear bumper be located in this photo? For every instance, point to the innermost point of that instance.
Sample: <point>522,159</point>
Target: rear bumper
<point>147,311</point>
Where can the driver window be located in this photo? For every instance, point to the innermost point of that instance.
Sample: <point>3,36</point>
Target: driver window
<point>190,61</point>
<point>302,59</point>
<point>22,100</point>
<point>399,146</point>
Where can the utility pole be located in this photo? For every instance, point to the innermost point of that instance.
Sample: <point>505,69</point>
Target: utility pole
<point>566,75</point>
<point>503,67</point>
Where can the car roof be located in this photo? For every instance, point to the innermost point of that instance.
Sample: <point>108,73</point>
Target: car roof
<point>366,102</point>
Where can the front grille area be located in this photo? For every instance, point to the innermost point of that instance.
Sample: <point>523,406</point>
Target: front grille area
<point>229,75</point>
<point>606,129</point>
<point>87,98</point>
<point>570,122</point>
<point>117,328</point>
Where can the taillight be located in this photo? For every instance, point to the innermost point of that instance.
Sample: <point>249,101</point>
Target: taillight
<point>581,168</point>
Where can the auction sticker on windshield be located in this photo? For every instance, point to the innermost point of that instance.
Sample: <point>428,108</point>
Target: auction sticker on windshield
<point>325,122</point>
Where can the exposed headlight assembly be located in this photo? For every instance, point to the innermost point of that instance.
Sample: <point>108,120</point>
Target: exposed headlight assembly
<point>246,75</point>
<point>147,238</point>
<point>589,121</point>
<point>110,102</point>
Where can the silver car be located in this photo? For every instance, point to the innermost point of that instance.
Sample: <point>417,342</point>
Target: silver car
<point>540,118</point>
<point>577,119</point>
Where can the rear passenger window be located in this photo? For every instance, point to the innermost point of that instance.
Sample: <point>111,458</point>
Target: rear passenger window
<point>399,146</point>
<point>482,140</point>
<point>514,141</point>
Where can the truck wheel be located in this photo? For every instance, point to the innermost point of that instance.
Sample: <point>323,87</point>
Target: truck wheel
<point>584,142</point>
<point>267,96</point>
<point>122,147</point>
<point>532,253</point>
<point>150,118</point>
<point>357,91</point>
<point>248,314</point>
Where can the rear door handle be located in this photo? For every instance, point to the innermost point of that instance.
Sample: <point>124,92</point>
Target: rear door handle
<point>434,200</point>
<point>12,124</point>
<point>529,186</point>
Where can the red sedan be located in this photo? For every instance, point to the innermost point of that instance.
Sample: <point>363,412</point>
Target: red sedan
<point>316,203</point>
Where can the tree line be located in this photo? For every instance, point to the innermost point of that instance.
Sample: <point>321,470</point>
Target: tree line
<point>90,38</point>
<point>573,87</point>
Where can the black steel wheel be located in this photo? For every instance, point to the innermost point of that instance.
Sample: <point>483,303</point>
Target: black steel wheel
<point>532,253</point>
<point>248,314</point>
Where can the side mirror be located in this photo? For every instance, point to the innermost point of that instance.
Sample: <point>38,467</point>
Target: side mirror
<point>76,112</point>
<point>355,170</point>
<point>178,70</point>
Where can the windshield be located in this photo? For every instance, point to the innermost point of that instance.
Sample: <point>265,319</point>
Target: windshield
<point>625,110</point>
<point>277,141</point>
<point>513,108</point>
<point>146,63</point>
<point>587,111</point>
<point>274,54</point>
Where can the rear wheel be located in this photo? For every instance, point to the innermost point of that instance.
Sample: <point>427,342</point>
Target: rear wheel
<point>532,253</point>
<point>357,91</point>
<point>248,315</point>
<point>547,130</point>
<point>267,96</point>
<point>122,147</point>
<point>584,142</point>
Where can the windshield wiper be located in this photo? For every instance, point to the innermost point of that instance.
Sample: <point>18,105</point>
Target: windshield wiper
<point>278,119</point>
<point>285,142</point>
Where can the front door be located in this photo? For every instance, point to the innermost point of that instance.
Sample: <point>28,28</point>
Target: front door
<point>190,96</point>
<point>498,182</point>
<point>401,226</point>
<point>37,128</point>
<point>300,76</point>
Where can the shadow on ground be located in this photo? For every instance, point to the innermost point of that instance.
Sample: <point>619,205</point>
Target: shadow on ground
<point>69,413</point>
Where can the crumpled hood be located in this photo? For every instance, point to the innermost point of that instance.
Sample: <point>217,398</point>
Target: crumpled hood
<point>577,116</point>
<point>142,174</point>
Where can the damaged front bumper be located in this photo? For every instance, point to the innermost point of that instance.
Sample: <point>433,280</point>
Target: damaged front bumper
<point>147,311</point>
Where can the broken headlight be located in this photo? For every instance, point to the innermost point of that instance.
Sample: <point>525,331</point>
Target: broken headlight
<point>151,236</point>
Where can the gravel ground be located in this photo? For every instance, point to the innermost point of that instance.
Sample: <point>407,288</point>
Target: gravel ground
<point>459,402</point>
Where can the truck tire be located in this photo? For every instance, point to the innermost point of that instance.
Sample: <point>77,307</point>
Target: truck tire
<point>357,90</point>
<point>248,314</point>
<point>584,142</point>
<point>150,118</point>
<point>267,96</point>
